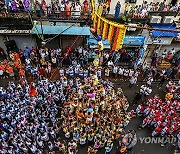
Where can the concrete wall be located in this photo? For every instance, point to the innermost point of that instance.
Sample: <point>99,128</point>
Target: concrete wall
<point>2,45</point>
<point>21,41</point>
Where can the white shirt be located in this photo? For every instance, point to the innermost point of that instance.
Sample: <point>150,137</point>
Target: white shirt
<point>62,6</point>
<point>133,80</point>
<point>131,72</point>
<point>99,73</point>
<point>150,80</point>
<point>172,52</point>
<point>110,63</point>
<point>115,69</point>
<point>78,7</point>
<point>80,50</point>
<point>121,71</point>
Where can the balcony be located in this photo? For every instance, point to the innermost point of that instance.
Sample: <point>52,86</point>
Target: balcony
<point>23,20</point>
<point>129,18</point>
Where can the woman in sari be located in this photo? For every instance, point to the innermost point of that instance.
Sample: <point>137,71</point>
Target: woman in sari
<point>86,6</point>
<point>13,6</point>
<point>117,10</point>
<point>68,10</point>
<point>26,5</point>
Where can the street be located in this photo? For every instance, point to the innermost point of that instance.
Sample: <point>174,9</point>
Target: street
<point>140,148</point>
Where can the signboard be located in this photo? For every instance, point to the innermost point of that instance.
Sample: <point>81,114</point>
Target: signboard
<point>7,31</point>
<point>134,40</point>
<point>95,46</point>
<point>159,40</point>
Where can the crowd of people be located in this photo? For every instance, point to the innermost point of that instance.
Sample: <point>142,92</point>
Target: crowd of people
<point>90,110</point>
<point>161,115</point>
<point>173,87</point>
<point>94,113</point>
<point>136,11</point>
<point>66,9</point>
<point>142,11</point>
<point>42,62</point>
<point>29,121</point>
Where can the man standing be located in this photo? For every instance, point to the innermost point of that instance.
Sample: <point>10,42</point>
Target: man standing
<point>132,81</point>
<point>163,79</point>
<point>117,10</point>
<point>137,97</point>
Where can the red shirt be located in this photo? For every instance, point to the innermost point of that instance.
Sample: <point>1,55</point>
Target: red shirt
<point>41,71</point>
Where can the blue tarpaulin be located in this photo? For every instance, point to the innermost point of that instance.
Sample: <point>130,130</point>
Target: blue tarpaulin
<point>157,33</point>
<point>63,30</point>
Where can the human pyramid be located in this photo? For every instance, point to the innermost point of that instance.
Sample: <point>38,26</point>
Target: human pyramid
<point>95,114</point>
<point>91,112</point>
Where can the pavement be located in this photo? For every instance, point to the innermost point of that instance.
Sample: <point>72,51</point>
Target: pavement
<point>140,148</point>
<point>137,121</point>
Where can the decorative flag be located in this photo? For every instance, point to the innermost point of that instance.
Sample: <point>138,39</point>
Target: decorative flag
<point>99,26</point>
<point>105,31</point>
<point>111,33</point>
<point>114,47</point>
<point>95,22</point>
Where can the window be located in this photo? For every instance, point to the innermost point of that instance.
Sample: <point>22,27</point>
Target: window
<point>131,1</point>
<point>101,1</point>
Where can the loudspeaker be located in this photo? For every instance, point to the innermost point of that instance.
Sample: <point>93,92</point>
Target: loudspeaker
<point>11,46</point>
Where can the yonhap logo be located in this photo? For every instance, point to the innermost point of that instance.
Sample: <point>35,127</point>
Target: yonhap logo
<point>157,140</point>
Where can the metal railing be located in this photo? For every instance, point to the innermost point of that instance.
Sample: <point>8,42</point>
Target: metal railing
<point>60,15</point>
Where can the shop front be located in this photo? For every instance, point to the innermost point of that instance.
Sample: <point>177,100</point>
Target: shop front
<point>16,39</point>
<point>132,48</point>
<point>158,41</point>
<point>62,36</point>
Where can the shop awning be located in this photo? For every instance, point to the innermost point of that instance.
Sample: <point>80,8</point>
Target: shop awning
<point>63,30</point>
<point>157,33</point>
<point>134,40</point>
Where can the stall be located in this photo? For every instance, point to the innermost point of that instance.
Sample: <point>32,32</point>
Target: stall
<point>133,45</point>
<point>63,36</point>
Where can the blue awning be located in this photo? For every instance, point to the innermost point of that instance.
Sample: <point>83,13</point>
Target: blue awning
<point>157,33</point>
<point>93,41</point>
<point>134,40</point>
<point>63,30</point>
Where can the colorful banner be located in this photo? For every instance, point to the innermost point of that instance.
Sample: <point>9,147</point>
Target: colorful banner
<point>115,39</point>
<point>120,39</point>
<point>111,33</point>
<point>95,22</point>
<point>107,29</point>
<point>99,26</point>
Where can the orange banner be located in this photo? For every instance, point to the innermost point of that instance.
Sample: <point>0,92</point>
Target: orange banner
<point>115,39</point>
<point>99,26</point>
<point>105,31</point>
<point>111,33</point>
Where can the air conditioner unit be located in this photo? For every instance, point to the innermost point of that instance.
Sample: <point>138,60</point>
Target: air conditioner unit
<point>177,25</point>
<point>156,19</point>
<point>132,28</point>
<point>168,19</point>
<point>177,19</point>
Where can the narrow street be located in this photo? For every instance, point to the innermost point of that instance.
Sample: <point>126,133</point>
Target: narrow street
<point>134,124</point>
